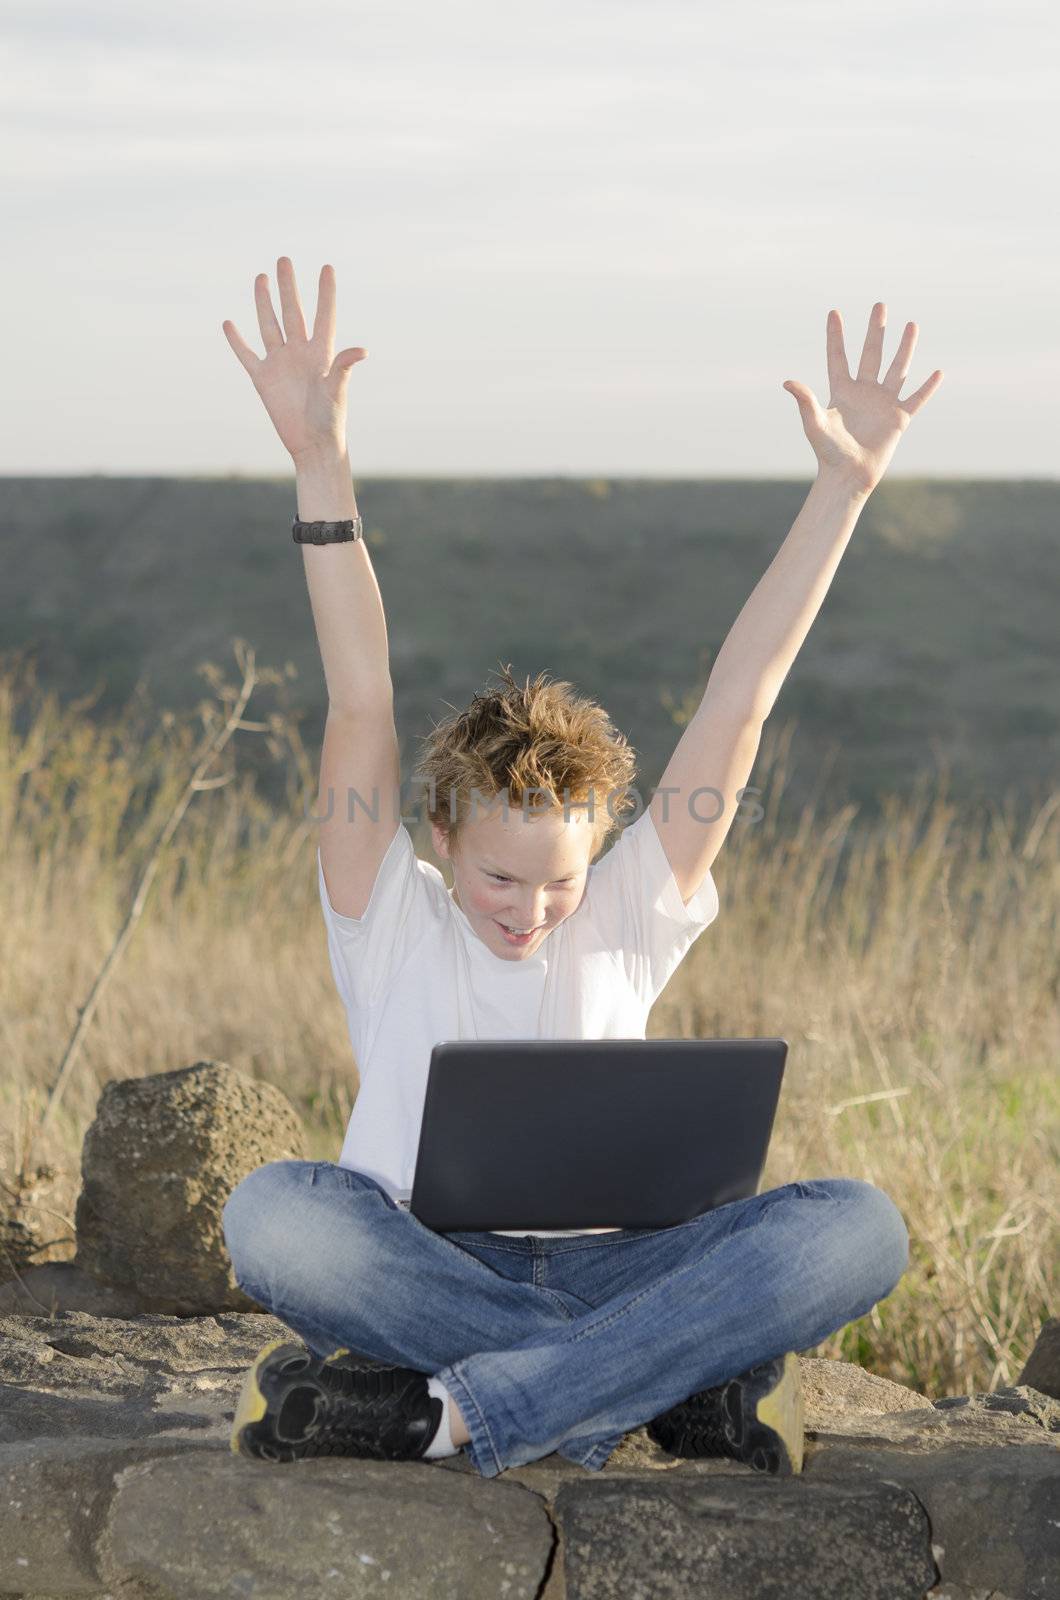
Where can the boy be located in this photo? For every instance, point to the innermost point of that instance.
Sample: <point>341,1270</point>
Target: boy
<point>415,1343</point>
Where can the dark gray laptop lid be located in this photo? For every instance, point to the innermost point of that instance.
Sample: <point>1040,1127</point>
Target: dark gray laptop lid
<point>584,1133</point>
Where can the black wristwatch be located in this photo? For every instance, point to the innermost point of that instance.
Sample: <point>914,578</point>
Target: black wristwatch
<point>326,532</point>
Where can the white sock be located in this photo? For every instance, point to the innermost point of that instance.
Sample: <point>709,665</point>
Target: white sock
<point>442,1443</point>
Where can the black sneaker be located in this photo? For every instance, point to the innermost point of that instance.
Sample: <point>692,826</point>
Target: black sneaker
<point>756,1418</point>
<point>294,1405</point>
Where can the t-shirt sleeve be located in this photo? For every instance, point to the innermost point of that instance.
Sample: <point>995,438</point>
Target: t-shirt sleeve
<point>636,906</point>
<point>366,952</point>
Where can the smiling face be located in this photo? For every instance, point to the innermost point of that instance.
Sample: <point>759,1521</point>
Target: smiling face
<point>519,872</point>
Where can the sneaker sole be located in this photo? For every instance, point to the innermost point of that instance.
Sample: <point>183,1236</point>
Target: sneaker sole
<point>286,1377</point>
<point>253,1428</point>
<point>764,1416</point>
<point>693,1427</point>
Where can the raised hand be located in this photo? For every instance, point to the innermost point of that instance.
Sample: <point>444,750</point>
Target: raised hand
<point>856,436</point>
<point>301,382</point>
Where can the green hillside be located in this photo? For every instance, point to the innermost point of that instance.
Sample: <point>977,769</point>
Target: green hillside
<point>937,642</point>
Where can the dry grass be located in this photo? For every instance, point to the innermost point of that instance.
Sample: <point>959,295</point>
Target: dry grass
<point>911,964</point>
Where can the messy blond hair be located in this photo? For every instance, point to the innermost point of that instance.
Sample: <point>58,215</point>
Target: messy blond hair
<point>540,735</point>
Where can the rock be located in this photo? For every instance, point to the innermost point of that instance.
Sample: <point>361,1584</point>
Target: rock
<point>991,1506</point>
<point>833,1389</point>
<point>1021,1400</point>
<point>1042,1370</point>
<point>769,1540</point>
<point>205,1526</point>
<point>986,1469</point>
<point>78,1376</point>
<point>1016,1415</point>
<point>158,1163</point>
<point>958,1591</point>
<point>115,1462</point>
<point>54,1501</point>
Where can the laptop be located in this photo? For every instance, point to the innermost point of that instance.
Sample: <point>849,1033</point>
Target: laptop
<point>587,1133</point>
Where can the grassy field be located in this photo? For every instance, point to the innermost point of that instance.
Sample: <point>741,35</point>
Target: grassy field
<point>908,958</point>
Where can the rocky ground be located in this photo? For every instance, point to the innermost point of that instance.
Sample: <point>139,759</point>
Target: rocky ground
<point>119,1375</point>
<point>117,1479</point>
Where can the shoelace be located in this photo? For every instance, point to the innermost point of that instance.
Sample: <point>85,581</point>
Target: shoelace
<point>361,1408</point>
<point>337,1434</point>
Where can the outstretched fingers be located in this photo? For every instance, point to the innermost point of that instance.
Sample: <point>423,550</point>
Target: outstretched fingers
<point>872,350</point>
<point>291,306</point>
<point>324,322</point>
<point>250,358</point>
<point>838,371</point>
<point>903,356</point>
<point>871,355</point>
<point>271,332</point>
<point>923,394</point>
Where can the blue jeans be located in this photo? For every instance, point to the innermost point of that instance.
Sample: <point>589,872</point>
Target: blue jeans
<point>561,1344</point>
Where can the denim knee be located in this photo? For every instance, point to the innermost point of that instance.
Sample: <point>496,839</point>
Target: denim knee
<point>882,1227</point>
<point>249,1214</point>
<point>275,1220</point>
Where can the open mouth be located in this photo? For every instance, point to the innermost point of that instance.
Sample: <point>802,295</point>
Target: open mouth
<point>517,938</point>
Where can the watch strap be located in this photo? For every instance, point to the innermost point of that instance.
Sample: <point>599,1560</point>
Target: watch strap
<point>321,532</point>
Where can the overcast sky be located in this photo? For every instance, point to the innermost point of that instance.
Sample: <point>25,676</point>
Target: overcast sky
<point>589,238</point>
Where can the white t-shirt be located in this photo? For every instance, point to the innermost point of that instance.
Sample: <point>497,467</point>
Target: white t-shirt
<point>412,973</point>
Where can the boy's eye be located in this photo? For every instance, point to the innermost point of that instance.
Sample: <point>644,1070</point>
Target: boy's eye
<point>499,877</point>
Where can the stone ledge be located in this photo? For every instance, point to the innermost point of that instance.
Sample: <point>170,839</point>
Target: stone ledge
<point>340,1527</point>
<point>117,1481</point>
<point>757,1539</point>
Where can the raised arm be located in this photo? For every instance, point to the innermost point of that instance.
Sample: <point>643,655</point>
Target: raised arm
<point>343,592</point>
<point>854,440</point>
<point>302,385</point>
